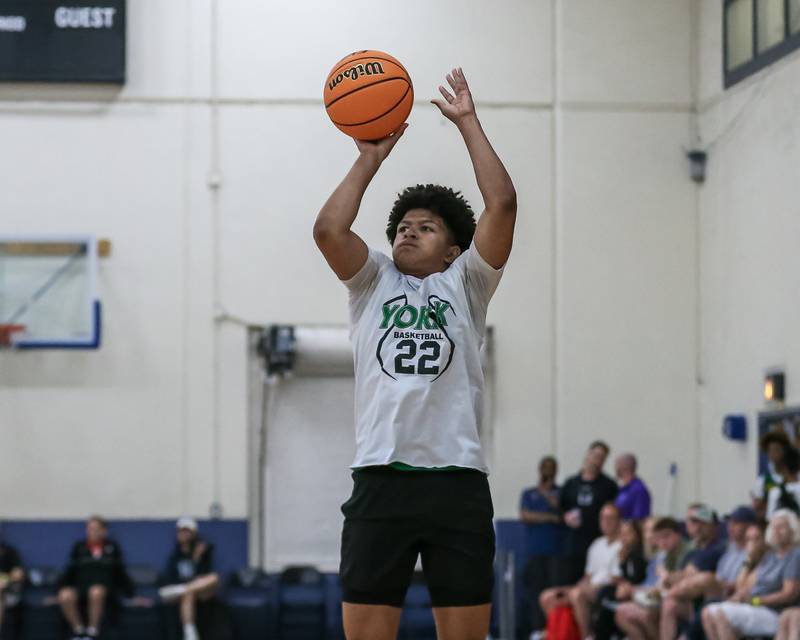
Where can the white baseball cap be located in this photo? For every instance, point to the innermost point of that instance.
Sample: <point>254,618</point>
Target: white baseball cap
<point>186,522</point>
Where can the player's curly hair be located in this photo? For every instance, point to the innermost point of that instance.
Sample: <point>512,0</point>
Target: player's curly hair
<point>443,201</point>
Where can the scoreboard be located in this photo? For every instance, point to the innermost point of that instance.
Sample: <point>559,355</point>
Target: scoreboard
<point>73,41</point>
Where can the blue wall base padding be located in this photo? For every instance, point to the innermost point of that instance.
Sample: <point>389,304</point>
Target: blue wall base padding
<point>47,543</point>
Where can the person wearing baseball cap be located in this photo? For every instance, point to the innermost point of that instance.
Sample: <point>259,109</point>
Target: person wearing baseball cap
<point>698,573</point>
<point>760,606</point>
<point>189,576</point>
<point>722,584</point>
<point>731,561</point>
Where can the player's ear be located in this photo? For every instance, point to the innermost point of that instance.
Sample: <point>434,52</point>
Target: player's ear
<point>452,253</point>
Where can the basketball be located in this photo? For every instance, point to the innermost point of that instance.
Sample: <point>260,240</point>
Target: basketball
<point>368,94</point>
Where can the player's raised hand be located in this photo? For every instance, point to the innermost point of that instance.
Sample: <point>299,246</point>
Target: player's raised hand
<point>458,104</point>
<point>380,149</point>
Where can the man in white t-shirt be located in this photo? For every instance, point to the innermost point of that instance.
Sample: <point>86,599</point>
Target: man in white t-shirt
<point>417,325</point>
<point>602,567</point>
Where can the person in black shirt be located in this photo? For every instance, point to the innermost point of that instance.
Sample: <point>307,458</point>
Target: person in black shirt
<point>582,497</point>
<point>12,578</point>
<point>94,574</point>
<point>188,575</point>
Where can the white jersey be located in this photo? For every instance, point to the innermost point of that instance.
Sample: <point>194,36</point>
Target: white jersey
<point>418,378</point>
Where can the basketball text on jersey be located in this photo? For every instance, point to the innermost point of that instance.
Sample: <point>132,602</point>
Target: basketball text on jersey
<point>425,348</point>
<point>357,70</point>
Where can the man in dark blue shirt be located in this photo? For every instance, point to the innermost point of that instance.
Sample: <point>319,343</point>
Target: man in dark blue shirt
<point>698,569</point>
<point>540,512</point>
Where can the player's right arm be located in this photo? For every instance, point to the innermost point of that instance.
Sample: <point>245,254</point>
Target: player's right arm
<point>344,251</point>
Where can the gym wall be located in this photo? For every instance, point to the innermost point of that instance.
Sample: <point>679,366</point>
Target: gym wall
<point>207,169</point>
<point>750,263</point>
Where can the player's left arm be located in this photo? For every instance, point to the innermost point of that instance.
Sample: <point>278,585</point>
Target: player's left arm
<point>495,231</point>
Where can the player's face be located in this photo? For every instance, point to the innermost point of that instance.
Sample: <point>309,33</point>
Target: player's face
<point>423,244</point>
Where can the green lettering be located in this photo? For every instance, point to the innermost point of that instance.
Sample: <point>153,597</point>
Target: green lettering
<point>388,312</point>
<point>423,318</point>
<point>439,310</point>
<point>404,324</point>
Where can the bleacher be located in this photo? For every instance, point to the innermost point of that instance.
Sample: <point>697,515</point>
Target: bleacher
<point>299,603</point>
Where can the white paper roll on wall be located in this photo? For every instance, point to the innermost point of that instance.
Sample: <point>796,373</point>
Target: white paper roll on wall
<point>322,351</point>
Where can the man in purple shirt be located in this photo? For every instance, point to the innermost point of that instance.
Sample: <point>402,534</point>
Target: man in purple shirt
<point>633,499</point>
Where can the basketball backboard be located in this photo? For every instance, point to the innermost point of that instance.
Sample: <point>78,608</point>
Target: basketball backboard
<point>48,292</point>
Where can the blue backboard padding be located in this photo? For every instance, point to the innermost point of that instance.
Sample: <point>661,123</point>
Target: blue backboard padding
<point>47,543</point>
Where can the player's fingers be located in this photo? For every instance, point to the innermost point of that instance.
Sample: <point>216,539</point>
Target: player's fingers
<point>395,135</point>
<point>446,94</point>
<point>451,81</point>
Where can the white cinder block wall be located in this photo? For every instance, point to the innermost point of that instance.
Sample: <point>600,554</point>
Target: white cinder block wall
<point>589,104</point>
<point>750,263</point>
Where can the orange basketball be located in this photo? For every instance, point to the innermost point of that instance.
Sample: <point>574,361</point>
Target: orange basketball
<point>368,94</point>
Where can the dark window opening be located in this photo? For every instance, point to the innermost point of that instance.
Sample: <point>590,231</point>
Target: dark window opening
<point>756,33</point>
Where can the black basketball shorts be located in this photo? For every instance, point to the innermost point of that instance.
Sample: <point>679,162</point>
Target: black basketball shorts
<point>394,516</point>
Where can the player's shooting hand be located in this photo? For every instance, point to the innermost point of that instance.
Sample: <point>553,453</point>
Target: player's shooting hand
<point>458,104</point>
<point>379,150</point>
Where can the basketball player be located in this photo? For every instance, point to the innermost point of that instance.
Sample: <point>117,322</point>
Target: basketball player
<point>417,324</point>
